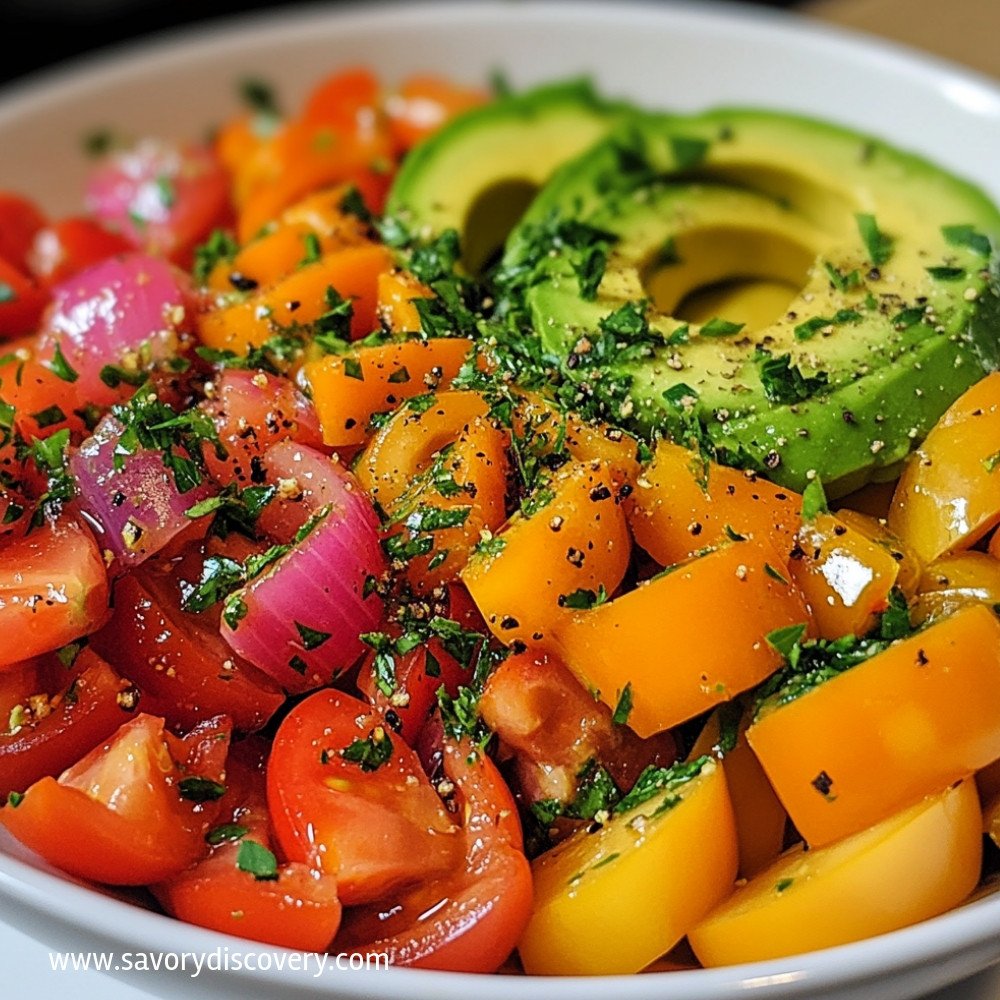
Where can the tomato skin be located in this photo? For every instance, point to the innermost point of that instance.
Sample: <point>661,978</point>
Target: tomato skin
<point>64,248</point>
<point>300,909</point>
<point>117,816</point>
<point>470,919</point>
<point>161,197</point>
<point>346,101</point>
<point>33,388</point>
<point>20,220</point>
<point>424,103</point>
<point>97,702</point>
<point>182,666</point>
<point>252,411</point>
<point>376,830</point>
<point>554,727</point>
<point>53,589</point>
<point>416,689</point>
<point>21,302</point>
<point>415,693</point>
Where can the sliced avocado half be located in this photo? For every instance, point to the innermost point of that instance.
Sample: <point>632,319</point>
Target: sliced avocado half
<point>815,298</point>
<point>481,171</point>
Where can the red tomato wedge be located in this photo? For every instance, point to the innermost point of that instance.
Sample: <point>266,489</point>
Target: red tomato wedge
<point>470,919</point>
<point>93,706</point>
<point>183,667</point>
<point>349,797</point>
<point>64,248</point>
<point>20,219</point>
<point>135,810</point>
<point>21,302</point>
<point>53,589</point>
<point>162,197</point>
<point>288,905</point>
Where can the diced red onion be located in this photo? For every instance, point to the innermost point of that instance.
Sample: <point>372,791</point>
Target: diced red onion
<point>305,486</point>
<point>135,510</point>
<point>129,311</point>
<point>302,617</point>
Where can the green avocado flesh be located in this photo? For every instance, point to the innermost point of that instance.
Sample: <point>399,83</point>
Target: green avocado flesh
<point>815,298</point>
<point>479,173</point>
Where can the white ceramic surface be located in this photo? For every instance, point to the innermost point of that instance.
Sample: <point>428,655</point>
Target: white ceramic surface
<point>680,56</point>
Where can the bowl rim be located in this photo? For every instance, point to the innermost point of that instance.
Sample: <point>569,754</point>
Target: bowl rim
<point>74,905</point>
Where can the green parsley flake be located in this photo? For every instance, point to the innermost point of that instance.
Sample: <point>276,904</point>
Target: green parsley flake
<point>877,243</point>
<point>257,860</point>
<point>371,752</point>
<point>200,790</point>
<point>624,707</point>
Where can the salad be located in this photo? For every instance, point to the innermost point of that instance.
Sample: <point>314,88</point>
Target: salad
<point>505,530</point>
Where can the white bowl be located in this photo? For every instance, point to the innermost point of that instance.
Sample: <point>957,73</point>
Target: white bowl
<point>684,57</point>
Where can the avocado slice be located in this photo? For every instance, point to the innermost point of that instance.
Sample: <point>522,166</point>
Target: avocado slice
<point>815,298</point>
<point>482,170</point>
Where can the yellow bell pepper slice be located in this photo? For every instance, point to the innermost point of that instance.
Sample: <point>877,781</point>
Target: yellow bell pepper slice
<point>948,496</point>
<point>760,816</point>
<point>844,576</point>
<point>957,581</point>
<point>908,868</point>
<point>615,900</point>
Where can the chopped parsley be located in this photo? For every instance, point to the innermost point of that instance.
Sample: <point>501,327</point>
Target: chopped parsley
<point>783,382</point>
<point>61,367</point>
<point>966,236</point>
<point>259,96</point>
<point>654,780</point>
<point>371,752</point>
<point>226,833</point>
<point>220,246</point>
<point>200,790</point>
<point>842,282</point>
<point>688,151</point>
<point>583,599</point>
<point>311,638</point>
<point>811,662</point>
<point>624,707</point>
<point>814,500</point>
<point>943,272</point>
<point>878,244</point>
<point>257,860</point>
<point>717,327</point>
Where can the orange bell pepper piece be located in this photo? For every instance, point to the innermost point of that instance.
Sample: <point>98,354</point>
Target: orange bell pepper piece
<point>396,291</point>
<point>470,478</point>
<point>576,541</point>
<point>672,516</point>
<point>688,639</point>
<point>880,736</point>
<point>405,448</point>
<point>277,253</point>
<point>424,103</point>
<point>348,390</point>
<point>300,299</point>
<point>540,422</point>
<point>303,158</point>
